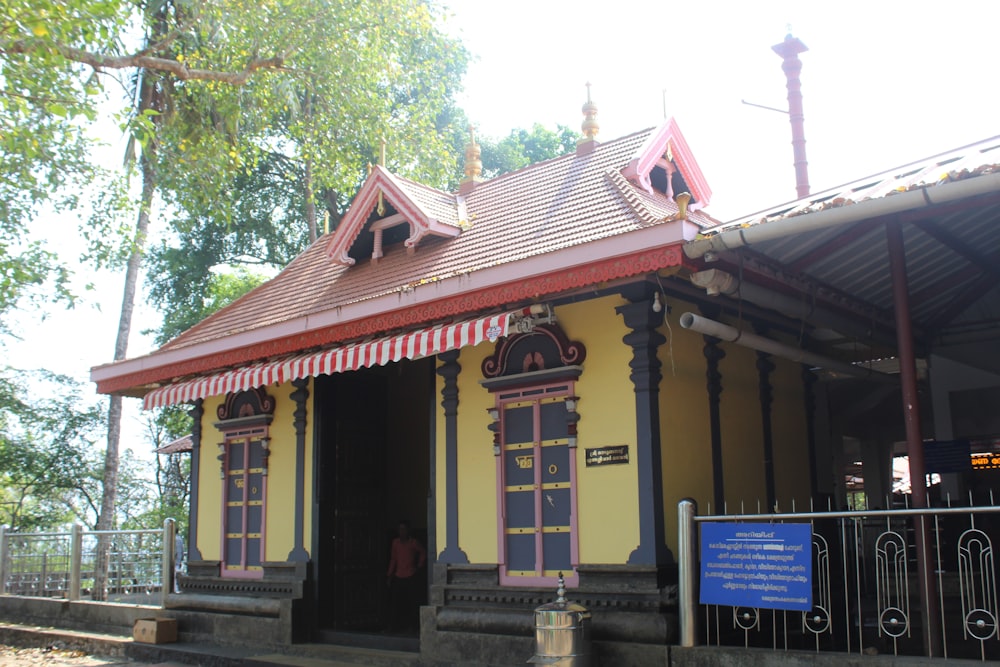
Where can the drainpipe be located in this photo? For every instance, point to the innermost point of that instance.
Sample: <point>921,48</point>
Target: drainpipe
<point>922,197</point>
<point>789,50</point>
<point>717,281</point>
<point>708,327</point>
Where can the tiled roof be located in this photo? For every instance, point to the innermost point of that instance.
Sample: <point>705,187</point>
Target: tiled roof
<point>436,204</point>
<point>562,202</point>
<point>516,237</point>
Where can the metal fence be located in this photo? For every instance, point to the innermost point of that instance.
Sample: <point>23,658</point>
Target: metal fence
<point>139,564</point>
<point>901,582</point>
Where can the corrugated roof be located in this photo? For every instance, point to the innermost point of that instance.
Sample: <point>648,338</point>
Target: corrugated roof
<point>952,248</point>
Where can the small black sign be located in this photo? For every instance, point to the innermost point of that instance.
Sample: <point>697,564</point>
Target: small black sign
<point>603,456</point>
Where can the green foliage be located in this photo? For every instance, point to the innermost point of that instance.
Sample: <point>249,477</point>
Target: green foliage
<point>45,104</point>
<point>49,468</point>
<point>171,488</point>
<point>246,169</point>
<point>187,299</point>
<point>515,151</point>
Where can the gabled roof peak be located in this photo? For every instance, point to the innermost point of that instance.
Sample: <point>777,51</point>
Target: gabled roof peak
<point>666,149</point>
<point>426,210</point>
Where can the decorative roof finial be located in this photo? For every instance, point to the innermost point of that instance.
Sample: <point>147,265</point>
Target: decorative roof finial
<point>589,126</point>
<point>473,165</point>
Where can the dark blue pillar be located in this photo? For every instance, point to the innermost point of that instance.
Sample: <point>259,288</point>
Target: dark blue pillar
<point>449,370</point>
<point>644,339</point>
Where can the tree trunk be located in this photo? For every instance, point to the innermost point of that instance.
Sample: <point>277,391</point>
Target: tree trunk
<point>308,184</point>
<point>110,481</point>
<point>310,202</point>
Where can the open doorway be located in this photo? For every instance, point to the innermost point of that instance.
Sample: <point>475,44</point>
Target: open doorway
<point>373,443</point>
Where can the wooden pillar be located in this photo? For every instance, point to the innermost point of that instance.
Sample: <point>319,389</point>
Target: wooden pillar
<point>196,412</point>
<point>713,355</point>
<point>449,370</point>
<point>644,339</point>
<point>298,554</point>
<point>765,393</point>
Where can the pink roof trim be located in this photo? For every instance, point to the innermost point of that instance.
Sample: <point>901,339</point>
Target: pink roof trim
<point>652,150</point>
<point>392,188</point>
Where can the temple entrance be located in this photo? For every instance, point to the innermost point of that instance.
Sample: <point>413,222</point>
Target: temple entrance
<point>372,470</point>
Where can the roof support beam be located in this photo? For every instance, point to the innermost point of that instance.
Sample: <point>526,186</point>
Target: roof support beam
<point>985,264</point>
<point>777,277</point>
<point>914,438</point>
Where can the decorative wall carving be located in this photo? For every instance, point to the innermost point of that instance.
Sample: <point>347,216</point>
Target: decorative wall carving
<point>544,348</point>
<point>249,403</point>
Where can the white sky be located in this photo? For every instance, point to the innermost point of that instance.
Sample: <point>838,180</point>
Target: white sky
<point>883,83</point>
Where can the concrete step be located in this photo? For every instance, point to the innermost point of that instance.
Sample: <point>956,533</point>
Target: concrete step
<point>208,655</point>
<point>31,636</point>
<point>327,655</point>
<point>190,653</point>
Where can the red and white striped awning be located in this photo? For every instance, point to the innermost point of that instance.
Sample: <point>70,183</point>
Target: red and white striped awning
<point>351,357</point>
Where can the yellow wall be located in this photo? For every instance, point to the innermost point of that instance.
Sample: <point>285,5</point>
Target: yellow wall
<point>685,428</point>
<point>280,524</point>
<point>209,484</point>
<point>790,437</point>
<point>742,431</point>
<point>607,496</point>
<point>686,436</point>
<point>477,477</point>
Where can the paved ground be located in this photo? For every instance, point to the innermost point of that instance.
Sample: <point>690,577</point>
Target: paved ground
<point>59,657</point>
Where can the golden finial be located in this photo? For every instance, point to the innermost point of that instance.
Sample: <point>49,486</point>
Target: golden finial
<point>473,165</point>
<point>589,126</point>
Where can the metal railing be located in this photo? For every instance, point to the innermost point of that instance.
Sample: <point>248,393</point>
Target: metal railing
<point>64,565</point>
<point>869,593</point>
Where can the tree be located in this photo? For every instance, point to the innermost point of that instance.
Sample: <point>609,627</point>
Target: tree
<point>49,466</point>
<point>376,71</point>
<point>517,150</point>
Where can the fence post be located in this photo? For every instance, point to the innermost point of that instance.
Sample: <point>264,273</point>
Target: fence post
<point>3,559</point>
<point>166,576</point>
<point>75,558</point>
<point>687,558</point>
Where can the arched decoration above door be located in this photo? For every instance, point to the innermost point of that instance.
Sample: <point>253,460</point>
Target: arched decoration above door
<point>545,348</point>
<point>532,377</point>
<point>244,405</point>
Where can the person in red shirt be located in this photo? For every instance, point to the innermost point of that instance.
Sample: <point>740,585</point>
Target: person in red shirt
<point>406,558</point>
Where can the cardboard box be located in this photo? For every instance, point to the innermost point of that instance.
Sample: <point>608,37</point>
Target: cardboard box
<point>155,630</point>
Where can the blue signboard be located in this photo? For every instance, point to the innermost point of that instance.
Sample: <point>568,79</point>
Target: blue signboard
<point>763,565</point>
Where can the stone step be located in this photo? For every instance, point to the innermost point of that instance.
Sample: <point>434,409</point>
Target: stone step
<point>31,636</point>
<point>207,655</point>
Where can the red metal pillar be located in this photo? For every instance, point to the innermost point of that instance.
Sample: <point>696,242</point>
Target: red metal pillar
<point>914,438</point>
<point>789,50</point>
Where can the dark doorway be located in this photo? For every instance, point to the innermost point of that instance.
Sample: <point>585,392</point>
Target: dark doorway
<point>373,442</point>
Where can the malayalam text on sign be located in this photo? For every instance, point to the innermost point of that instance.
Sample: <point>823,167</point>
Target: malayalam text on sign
<point>763,565</point>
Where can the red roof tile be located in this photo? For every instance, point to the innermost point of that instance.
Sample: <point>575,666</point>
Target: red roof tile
<point>550,206</point>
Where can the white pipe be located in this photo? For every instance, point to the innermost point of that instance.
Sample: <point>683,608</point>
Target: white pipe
<point>832,217</point>
<point>717,281</point>
<point>703,325</point>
